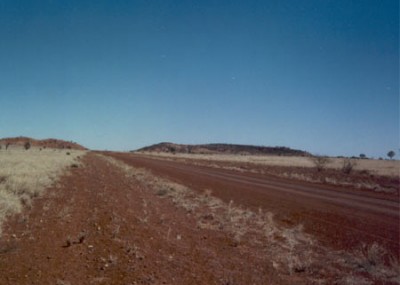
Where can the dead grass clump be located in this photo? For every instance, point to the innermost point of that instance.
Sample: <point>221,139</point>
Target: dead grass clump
<point>354,280</point>
<point>162,192</point>
<point>375,260</point>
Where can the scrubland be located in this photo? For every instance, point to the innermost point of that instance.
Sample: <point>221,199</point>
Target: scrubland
<point>379,176</point>
<point>375,166</point>
<point>25,174</point>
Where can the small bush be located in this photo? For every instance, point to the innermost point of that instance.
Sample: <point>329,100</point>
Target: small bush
<point>320,162</point>
<point>27,145</point>
<point>348,165</point>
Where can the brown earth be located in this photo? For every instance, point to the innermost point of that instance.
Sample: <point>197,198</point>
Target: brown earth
<point>100,226</point>
<point>46,143</point>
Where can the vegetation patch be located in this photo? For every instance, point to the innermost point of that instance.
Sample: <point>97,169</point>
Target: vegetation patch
<point>26,173</point>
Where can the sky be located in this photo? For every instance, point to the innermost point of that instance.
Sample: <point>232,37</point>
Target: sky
<point>316,75</point>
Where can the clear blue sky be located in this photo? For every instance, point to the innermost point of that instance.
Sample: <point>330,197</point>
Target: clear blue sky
<point>322,76</point>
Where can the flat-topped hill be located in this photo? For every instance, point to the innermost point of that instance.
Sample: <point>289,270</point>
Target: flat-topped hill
<point>218,148</point>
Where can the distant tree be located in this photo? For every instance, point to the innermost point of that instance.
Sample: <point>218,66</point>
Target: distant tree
<point>27,145</point>
<point>391,154</point>
<point>363,156</point>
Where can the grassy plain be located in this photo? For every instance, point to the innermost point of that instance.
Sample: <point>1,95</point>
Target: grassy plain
<point>374,166</point>
<point>25,174</point>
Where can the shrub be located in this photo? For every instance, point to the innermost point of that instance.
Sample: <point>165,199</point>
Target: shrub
<point>320,162</point>
<point>348,165</point>
<point>27,145</point>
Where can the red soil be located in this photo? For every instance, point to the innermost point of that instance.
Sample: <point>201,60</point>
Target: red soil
<point>340,222</point>
<point>100,226</point>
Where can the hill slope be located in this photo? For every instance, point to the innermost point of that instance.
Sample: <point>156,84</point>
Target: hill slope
<point>46,143</point>
<point>223,149</point>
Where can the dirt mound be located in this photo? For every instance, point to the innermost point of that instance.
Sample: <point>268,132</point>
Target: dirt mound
<point>46,143</point>
<point>223,149</point>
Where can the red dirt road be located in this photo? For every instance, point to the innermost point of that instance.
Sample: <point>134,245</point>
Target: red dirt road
<point>101,225</point>
<point>340,217</point>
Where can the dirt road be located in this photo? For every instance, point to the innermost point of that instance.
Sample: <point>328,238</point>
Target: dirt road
<point>101,227</point>
<point>341,217</point>
<point>104,223</point>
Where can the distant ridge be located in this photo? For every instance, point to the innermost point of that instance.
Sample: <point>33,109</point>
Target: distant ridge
<point>218,148</point>
<point>46,143</point>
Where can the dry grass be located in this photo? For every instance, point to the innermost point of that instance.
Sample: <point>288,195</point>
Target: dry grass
<point>289,249</point>
<point>25,174</point>
<point>378,167</point>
